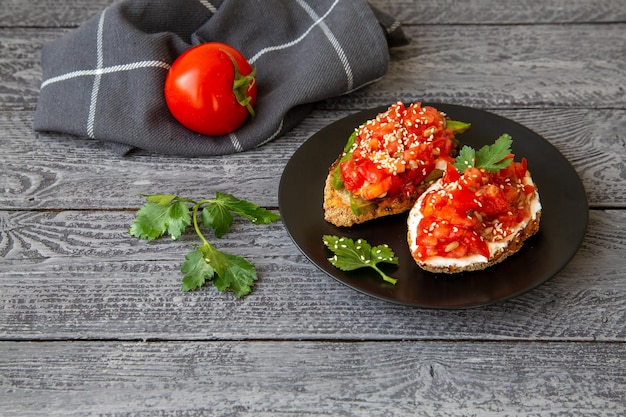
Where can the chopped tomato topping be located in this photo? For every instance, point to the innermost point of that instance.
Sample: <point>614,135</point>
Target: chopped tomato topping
<point>351,177</point>
<point>472,209</point>
<point>396,151</point>
<point>378,189</point>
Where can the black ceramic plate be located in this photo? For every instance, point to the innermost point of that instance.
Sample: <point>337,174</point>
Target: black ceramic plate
<point>563,221</point>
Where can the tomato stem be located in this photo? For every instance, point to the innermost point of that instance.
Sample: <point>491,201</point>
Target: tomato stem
<point>241,84</point>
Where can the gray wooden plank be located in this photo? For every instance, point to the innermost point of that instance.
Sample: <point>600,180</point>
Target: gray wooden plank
<point>20,67</point>
<point>487,66</point>
<point>504,67</point>
<point>312,379</point>
<point>42,171</point>
<point>508,12</point>
<point>93,323</point>
<point>49,13</point>
<point>68,13</point>
<point>77,275</point>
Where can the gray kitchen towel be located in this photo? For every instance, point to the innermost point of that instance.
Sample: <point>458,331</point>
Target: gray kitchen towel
<point>104,80</point>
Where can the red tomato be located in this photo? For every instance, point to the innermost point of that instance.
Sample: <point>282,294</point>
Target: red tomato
<point>396,185</point>
<point>451,174</point>
<point>351,178</point>
<point>368,170</point>
<point>371,191</point>
<point>207,93</point>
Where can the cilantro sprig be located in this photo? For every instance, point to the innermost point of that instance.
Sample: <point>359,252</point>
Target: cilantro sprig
<point>350,255</point>
<point>491,158</point>
<point>169,214</point>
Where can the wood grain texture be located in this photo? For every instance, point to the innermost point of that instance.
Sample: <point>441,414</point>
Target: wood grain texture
<point>20,66</point>
<point>502,66</point>
<point>49,13</point>
<point>77,275</point>
<point>71,13</point>
<point>507,12</point>
<point>92,321</point>
<point>43,171</point>
<point>312,379</point>
<point>486,66</point>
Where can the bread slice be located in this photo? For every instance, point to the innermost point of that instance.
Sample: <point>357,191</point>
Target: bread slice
<point>405,146</point>
<point>499,249</point>
<point>512,247</point>
<point>337,209</point>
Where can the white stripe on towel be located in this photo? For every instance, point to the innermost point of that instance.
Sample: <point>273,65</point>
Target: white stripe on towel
<point>333,41</point>
<point>208,5</point>
<point>295,41</point>
<point>106,70</point>
<point>96,81</point>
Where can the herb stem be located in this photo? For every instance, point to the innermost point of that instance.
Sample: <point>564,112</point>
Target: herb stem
<point>208,201</point>
<point>385,276</point>
<point>195,223</point>
<point>184,200</point>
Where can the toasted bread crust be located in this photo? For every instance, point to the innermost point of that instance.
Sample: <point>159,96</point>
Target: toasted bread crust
<point>513,247</point>
<point>337,204</point>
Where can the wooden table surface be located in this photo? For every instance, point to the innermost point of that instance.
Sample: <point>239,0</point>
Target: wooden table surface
<point>93,322</point>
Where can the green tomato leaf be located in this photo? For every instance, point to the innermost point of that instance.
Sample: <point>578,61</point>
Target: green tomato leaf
<point>195,271</point>
<point>246,209</point>
<point>153,221</point>
<point>350,255</point>
<point>218,217</point>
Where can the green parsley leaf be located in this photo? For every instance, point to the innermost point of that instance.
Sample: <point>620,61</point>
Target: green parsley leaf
<point>153,220</point>
<point>229,272</point>
<point>466,159</point>
<point>168,213</point>
<point>350,255</point>
<point>196,271</point>
<point>218,217</point>
<point>491,158</point>
<point>160,199</point>
<point>245,209</point>
<point>239,276</point>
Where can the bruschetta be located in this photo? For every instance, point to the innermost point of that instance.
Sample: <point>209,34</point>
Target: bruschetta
<point>475,216</point>
<point>388,162</point>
